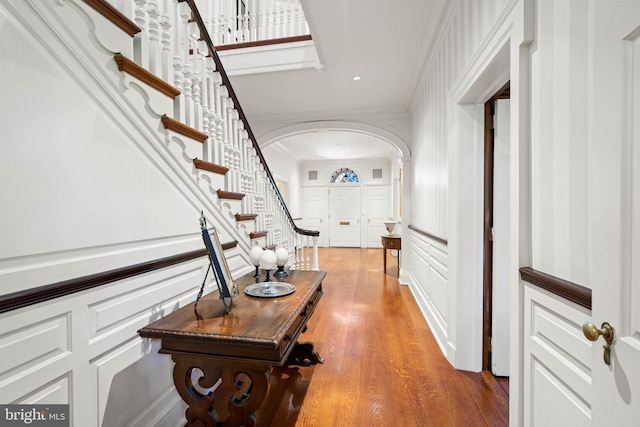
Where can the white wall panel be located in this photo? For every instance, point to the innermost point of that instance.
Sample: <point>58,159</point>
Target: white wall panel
<point>56,392</point>
<point>131,379</point>
<point>557,362</point>
<point>462,30</point>
<point>89,341</point>
<point>549,393</point>
<point>125,306</point>
<point>559,149</point>
<point>34,350</point>
<point>430,285</point>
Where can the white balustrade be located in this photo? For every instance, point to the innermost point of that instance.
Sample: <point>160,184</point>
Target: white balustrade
<point>171,47</point>
<point>241,21</point>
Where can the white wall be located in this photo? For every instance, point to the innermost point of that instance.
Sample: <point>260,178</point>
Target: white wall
<point>284,167</point>
<point>91,182</point>
<point>362,167</point>
<point>446,182</point>
<point>545,48</point>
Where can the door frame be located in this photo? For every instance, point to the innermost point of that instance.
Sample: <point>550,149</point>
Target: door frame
<point>487,274</point>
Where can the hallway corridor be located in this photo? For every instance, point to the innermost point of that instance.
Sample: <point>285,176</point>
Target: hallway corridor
<point>382,366</point>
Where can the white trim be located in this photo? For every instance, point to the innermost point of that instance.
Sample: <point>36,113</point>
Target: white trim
<point>301,128</point>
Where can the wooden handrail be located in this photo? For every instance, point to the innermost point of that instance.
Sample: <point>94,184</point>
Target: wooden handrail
<point>38,294</point>
<point>270,42</point>
<point>557,286</point>
<point>204,35</point>
<point>429,235</point>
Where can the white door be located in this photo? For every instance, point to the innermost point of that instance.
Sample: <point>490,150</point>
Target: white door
<point>614,208</point>
<point>378,211</point>
<point>501,235</point>
<point>314,203</point>
<point>344,216</point>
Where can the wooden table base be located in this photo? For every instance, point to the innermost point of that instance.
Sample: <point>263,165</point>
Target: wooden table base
<point>234,402</point>
<point>243,388</point>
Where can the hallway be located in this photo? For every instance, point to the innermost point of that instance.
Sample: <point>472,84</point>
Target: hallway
<point>382,366</point>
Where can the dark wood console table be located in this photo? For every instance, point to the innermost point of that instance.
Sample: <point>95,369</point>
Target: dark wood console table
<point>391,242</point>
<point>239,348</point>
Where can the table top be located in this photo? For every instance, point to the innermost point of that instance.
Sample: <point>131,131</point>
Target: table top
<point>265,324</point>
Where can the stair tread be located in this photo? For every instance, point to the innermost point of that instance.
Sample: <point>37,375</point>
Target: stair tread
<point>230,195</point>
<point>258,234</point>
<point>245,217</point>
<point>115,16</point>
<point>183,129</point>
<point>211,167</point>
<point>128,66</point>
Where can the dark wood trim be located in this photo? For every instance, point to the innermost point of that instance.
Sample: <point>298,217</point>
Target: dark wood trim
<point>282,40</point>
<point>257,234</point>
<point>39,294</point>
<point>128,66</point>
<point>229,245</point>
<point>112,14</point>
<point>557,286</point>
<point>487,271</point>
<point>487,241</point>
<point>211,167</point>
<point>182,129</point>
<point>230,195</point>
<point>204,35</point>
<point>245,217</point>
<point>429,235</point>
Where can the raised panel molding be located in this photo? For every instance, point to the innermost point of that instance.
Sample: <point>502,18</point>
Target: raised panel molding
<point>131,379</point>
<point>128,305</point>
<point>33,352</point>
<point>549,391</point>
<point>556,362</point>
<point>55,392</point>
<point>428,281</point>
<point>84,349</point>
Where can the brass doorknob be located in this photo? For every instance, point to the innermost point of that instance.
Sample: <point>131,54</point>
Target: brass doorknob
<point>591,332</point>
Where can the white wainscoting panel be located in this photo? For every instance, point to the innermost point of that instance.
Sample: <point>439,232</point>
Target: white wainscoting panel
<point>429,285</point>
<point>34,349</point>
<point>127,306</point>
<point>56,392</point>
<point>557,361</point>
<point>130,380</point>
<point>84,349</point>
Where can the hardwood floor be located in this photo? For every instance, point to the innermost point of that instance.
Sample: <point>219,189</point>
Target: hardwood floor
<point>382,366</point>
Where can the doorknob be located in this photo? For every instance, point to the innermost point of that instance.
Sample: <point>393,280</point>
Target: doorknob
<point>591,332</point>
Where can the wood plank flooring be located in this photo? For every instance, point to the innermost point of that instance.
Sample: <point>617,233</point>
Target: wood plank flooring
<point>382,366</point>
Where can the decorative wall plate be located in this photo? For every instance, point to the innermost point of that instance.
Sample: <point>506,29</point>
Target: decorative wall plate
<point>269,289</point>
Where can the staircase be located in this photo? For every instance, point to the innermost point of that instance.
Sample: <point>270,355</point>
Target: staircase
<point>168,57</point>
<point>120,128</point>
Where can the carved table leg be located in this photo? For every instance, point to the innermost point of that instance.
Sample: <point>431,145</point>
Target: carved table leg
<point>234,402</point>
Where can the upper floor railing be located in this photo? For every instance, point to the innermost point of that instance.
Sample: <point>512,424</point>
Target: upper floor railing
<point>245,21</point>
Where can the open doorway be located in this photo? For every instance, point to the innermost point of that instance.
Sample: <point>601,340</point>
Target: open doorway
<point>496,286</point>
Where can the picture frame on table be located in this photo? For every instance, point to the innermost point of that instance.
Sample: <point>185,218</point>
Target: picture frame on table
<point>218,262</point>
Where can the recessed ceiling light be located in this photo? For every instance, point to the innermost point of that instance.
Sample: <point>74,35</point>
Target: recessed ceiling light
<point>356,77</point>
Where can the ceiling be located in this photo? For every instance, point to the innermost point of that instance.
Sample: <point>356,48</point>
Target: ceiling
<point>385,42</point>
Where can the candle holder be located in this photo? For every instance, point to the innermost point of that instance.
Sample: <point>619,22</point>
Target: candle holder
<point>254,256</point>
<point>282,256</point>
<point>267,261</point>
